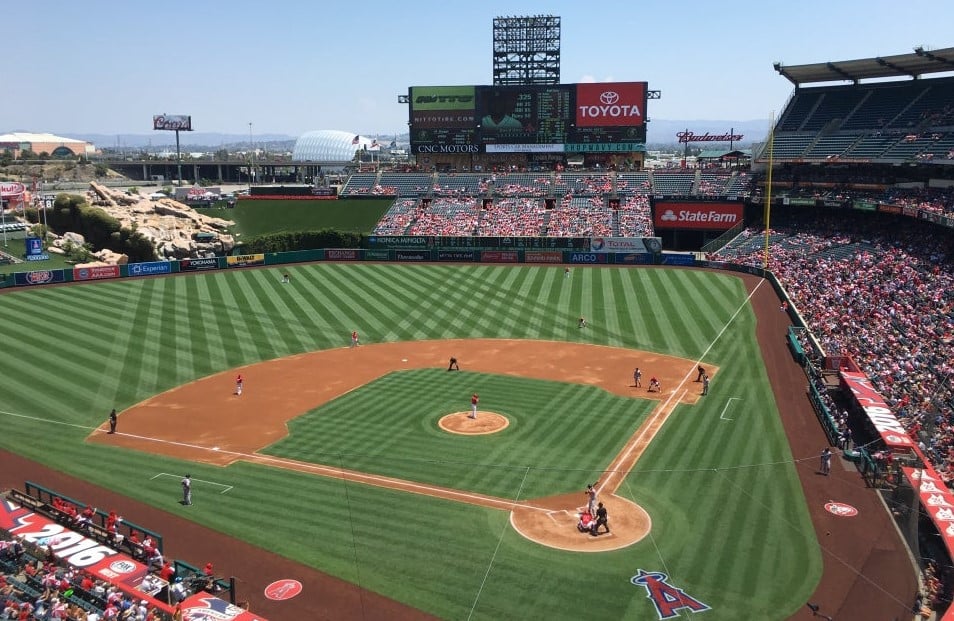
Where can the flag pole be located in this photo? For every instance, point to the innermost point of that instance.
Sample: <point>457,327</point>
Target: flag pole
<point>768,188</point>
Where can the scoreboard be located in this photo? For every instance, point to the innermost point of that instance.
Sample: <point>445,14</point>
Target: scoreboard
<point>606,116</point>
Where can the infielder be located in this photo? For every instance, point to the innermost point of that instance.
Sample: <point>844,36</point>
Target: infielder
<point>474,399</point>
<point>239,382</point>
<point>354,338</point>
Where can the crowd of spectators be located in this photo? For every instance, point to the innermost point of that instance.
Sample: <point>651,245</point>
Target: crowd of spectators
<point>880,289</point>
<point>36,584</point>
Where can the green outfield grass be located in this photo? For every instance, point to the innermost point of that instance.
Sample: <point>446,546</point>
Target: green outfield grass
<point>259,217</point>
<point>730,525</point>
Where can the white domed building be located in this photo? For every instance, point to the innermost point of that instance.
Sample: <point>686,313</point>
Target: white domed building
<point>331,147</point>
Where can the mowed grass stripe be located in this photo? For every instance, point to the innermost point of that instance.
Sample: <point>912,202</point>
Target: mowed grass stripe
<point>394,430</point>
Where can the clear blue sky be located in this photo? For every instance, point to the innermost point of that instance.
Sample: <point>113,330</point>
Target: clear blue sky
<point>106,66</point>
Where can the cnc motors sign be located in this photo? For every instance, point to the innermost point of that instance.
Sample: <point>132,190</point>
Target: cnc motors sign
<point>172,122</point>
<point>698,216</point>
<point>610,104</point>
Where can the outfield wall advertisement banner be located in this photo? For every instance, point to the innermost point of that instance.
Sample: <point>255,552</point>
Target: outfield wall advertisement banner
<point>412,255</point>
<point>194,265</point>
<point>456,255</point>
<point>633,258</point>
<point>586,257</point>
<point>696,216</point>
<point>377,255</point>
<point>39,277</point>
<point>342,254</point>
<point>499,256</point>
<point>625,244</point>
<point>150,268</point>
<point>531,256</point>
<point>98,272</point>
<point>245,260</point>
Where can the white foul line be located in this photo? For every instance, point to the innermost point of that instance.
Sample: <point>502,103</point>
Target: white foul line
<point>167,474</point>
<point>722,416</point>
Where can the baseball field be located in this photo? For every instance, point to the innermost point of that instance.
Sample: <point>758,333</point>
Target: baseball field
<point>358,461</point>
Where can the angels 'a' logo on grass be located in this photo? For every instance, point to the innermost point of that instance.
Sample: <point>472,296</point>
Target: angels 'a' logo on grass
<point>667,599</point>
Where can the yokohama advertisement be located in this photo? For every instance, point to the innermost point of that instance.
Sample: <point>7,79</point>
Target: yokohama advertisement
<point>96,273</point>
<point>698,216</point>
<point>610,104</point>
<point>192,265</point>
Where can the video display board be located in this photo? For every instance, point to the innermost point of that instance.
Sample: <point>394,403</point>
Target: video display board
<point>528,118</point>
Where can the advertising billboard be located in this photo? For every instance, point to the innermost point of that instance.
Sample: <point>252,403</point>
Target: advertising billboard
<point>96,272</point>
<point>626,244</point>
<point>9,190</point>
<point>597,117</point>
<point>150,268</point>
<point>245,260</point>
<point>443,116</point>
<point>710,216</point>
<point>172,122</point>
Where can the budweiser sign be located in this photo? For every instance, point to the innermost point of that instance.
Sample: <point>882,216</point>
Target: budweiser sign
<point>688,136</point>
<point>172,122</point>
<point>610,104</point>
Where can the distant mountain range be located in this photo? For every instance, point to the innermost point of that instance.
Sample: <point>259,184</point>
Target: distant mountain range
<point>659,132</point>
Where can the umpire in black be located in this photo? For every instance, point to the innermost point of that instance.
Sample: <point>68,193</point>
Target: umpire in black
<point>600,520</point>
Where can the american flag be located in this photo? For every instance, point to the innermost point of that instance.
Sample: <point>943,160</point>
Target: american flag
<point>356,140</point>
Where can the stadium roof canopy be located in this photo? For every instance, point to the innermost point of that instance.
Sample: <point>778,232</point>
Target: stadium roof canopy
<point>900,65</point>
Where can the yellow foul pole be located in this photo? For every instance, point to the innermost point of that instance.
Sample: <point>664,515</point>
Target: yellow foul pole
<point>768,188</point>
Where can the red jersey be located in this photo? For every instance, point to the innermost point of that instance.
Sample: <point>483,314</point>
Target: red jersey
<point>474,400</point>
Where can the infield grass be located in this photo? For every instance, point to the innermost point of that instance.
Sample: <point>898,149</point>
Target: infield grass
<point>730,525</point>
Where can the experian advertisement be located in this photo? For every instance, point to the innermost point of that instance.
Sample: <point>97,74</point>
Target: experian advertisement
<point>150,268</point>
<point>699,216</point>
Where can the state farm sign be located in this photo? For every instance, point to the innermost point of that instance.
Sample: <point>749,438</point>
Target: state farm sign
<point>709,216</point>
<point>610,104</point>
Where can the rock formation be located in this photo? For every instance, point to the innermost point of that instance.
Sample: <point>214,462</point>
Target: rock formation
<point>170,225</point>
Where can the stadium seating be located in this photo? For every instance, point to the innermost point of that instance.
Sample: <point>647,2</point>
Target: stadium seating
<point>359,184</point>
<point>673,183</point>
<point>406,184</point>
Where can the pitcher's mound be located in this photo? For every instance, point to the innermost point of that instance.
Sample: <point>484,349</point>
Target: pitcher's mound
<point>552,522</point>
<point>462,423</point>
